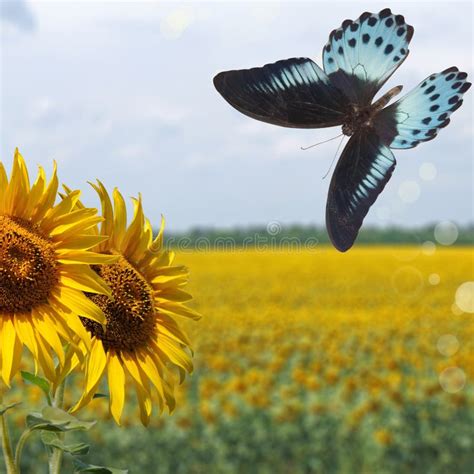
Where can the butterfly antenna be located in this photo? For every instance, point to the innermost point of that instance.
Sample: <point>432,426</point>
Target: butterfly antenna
<point>337,151</point>
<point>320,143</point>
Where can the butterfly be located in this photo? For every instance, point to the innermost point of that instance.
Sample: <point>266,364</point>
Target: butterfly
<point>358,59</point>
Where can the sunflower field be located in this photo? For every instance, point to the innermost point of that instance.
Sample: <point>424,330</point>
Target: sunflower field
<point>314,361</point>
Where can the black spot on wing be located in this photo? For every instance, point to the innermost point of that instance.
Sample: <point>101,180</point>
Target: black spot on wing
<point>372,21</point>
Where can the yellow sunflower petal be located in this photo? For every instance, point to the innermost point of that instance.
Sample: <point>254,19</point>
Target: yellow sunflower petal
<point>96,365</point>
<point>77,302</point>
<point>120,219</point>
<point>11,349</point>
<point>174,353</point>
<point>44,359</point>
<point>59,211</point>
<point>83,278</point>
<point>3,187</point>
<point>116,379</point>
<point>80,241</point>
<point>24,329</point>
<point>36,192</point>
<point>172,294</point>
<point>107,226</point>
<point>16,195</point>
<point>48,332</point>
<point>48,198</point>
<point>82,256</point>
<point>175,309</point>
<point>151,370</point>
<point>133,233</point>
<point>172,331</point>
<point>144,397</point>
<point>62,232</point>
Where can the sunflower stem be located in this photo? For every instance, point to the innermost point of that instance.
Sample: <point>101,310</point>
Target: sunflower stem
<point>56,457</point>
<point>7,447</point>
<point>19,446</point>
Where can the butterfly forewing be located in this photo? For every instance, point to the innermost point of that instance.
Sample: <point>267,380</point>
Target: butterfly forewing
<point>418,116</point>
<point>361,55</point>
<point>290,93</point>
<point>362,172</point>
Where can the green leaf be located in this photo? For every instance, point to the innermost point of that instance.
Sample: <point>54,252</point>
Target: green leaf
<point>100,395</point>
<point>83,467</point>
<point>56,420</point>
<point>4,408</point>
<point>43,384</point>
<point>52,439</point>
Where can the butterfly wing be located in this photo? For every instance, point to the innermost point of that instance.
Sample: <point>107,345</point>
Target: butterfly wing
<point>362,172</point>
<point>361,55</point>
<point>418,116</point>
<point>290,93</point>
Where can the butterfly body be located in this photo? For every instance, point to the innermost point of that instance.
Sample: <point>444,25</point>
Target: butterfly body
<point>358,59</point>
<point>360,119</point>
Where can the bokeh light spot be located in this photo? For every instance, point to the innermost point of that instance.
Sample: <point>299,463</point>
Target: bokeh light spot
<point>448,345</point>
<point>446,233</point>
<point>434,279</point>
<point>428,248</point>
<point>409,191</point>
<point>465,297</point>
<point>427,171</point>
<point>407,281</point>
<point>452,379</point>
<point>175,24</point>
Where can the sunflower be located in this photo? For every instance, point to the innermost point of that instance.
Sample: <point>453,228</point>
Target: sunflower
<point>141,342</point>
<point>44,269</point>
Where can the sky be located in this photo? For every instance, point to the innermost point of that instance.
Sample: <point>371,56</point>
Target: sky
<point>122,91</point>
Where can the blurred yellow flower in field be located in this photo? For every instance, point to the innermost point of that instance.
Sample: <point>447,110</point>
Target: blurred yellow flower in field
<point>44,269</point>
<point>141,341</point>
<point>383,437</point>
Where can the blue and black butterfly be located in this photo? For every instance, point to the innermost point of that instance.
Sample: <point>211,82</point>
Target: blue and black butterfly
<point>358,59</point>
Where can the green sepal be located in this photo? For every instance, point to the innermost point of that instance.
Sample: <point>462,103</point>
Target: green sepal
<point>52,440</point>
<point>4,408</point>
<point>55,419</point>
<point>83,467</point>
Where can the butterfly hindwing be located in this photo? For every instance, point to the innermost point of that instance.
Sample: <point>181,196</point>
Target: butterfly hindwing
<point>418,116</point>
<point>290,93</point>
<point>361,55</point>
<point>363,170</point>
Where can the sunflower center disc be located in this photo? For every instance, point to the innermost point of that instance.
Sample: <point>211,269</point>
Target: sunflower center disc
<point>130,316</point>
<point>28,266</point>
